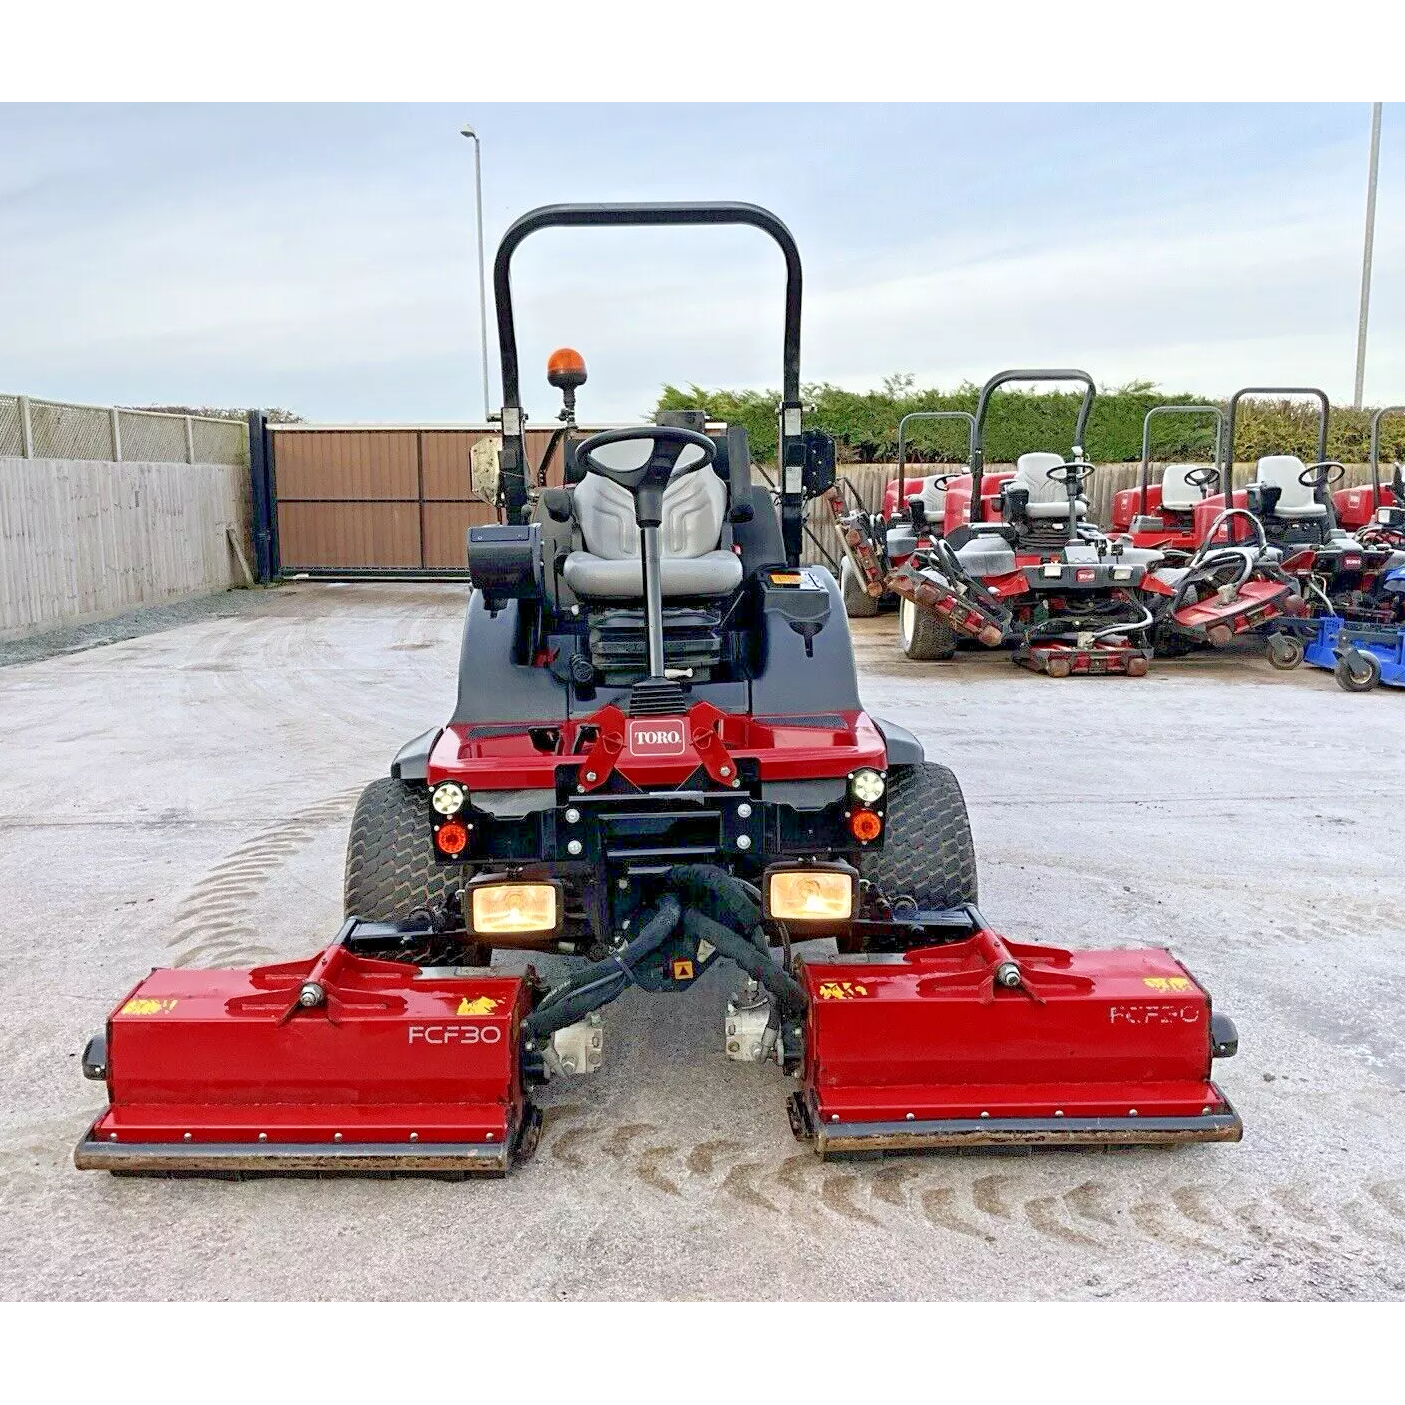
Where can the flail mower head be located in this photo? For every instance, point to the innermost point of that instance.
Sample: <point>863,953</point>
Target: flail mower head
<point>658,761</point>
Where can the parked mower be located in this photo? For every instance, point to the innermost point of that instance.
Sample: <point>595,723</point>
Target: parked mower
<point>1161,516</point>
<point>1040,575</point>
<point>1361,653</point>
<point>658,761</point>
<point>1296,504</point>
<point>876,544</point>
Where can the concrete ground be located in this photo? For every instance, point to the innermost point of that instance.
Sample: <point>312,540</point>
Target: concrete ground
<point>183,796</point>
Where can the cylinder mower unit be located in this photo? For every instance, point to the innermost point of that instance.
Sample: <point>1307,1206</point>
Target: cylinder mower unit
<point>646,813</point>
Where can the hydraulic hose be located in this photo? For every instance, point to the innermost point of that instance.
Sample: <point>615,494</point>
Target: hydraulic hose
<point>713,907</point>
<point>719,896</point>
<point>600,982</point>
<point>789,993</point>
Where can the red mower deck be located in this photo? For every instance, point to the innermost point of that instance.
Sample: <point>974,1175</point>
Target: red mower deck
<point>340,1063</point>
<point>985,1042</point>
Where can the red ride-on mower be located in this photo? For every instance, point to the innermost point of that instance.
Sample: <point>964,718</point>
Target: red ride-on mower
<point>1161,516</point>
<point>1295,503</point>
<point>876,544</point>
<point>658,761</point>
<point>1225,588</point>
<point>1041,575</point>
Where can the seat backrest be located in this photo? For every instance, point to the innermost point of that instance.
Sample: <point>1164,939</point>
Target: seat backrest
<point>1046,497</point>
<point>1281,471</point>
<point>1176,493</point>
<point>694,507</point>
<point>933,499</point>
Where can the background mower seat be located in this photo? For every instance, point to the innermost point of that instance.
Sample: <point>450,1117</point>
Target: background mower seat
<point>694,559</point>
<point>1047,499</point>
<point>1176,494</point>
<point>1295,499</point>
<point>933,498</point>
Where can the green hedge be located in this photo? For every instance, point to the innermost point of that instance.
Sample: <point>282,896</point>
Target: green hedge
<point>865,426</point>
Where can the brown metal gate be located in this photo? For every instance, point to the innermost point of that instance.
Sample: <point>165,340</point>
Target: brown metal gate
<point>379,501</point>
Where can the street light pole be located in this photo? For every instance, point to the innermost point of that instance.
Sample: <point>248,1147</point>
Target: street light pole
<point>1366,255</point>
<point>482,287</point>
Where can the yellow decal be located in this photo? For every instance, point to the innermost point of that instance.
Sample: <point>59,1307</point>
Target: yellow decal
<point>842,990</point>
<point>145,1005</point>
<point>682,970</point>
<point>1167,982</point>
<point>483,1005</point>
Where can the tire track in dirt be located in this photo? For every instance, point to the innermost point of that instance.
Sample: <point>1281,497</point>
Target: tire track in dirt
<point>1216,1221</point>
<point>213,924</point>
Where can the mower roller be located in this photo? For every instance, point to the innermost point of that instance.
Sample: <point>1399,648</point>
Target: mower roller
<point>658,761</point>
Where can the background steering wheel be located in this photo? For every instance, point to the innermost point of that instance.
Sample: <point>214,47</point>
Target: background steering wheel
<point>647,481</point>
<point>940,480</point>
<point>1070,473</point>
<point>1320,475</point>
<point>1205,478</point>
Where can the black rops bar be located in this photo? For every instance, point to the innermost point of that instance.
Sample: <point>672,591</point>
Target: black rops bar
<point>1324,409</point>
<point>1376,419</point>
<point>983,406</point>
<point>1145,479</point>
<point>514,456</point>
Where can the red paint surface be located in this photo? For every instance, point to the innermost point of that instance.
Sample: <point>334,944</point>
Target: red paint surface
<point>225,1055</point>
<point>1097,1033</point>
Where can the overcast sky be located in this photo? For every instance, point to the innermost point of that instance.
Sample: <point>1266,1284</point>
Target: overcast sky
<point>323,258</point>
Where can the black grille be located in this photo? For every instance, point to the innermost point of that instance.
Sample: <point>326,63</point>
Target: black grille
<point>657,697</point>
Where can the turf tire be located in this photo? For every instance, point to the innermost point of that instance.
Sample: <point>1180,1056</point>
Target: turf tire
<point>390,863</point>
<point>927,851</point>
<point>858,603</point>
<point>1347,677</point>
<point>924,637</point>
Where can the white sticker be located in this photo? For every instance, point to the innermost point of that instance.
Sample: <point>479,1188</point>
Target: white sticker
<point>705,950</point>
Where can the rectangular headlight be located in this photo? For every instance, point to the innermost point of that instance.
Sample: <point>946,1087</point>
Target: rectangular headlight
<point>810,894</point>
<point>500,909</point>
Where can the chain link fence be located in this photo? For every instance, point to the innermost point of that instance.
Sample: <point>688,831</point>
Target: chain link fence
<point>50,429</point>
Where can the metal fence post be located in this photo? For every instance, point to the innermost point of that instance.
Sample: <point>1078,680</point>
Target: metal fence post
<point>26,428</point>
<point>189,440</point>
<point>261,492</point>
<point>116,436</point>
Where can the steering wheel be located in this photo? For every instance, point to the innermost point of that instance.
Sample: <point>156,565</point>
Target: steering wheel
<point>1205,478</point>
<point>1321,475</point>
<point>1068,474</point>
<point>940,480</point>
<point>1209,546</point>
<point>647,481</point>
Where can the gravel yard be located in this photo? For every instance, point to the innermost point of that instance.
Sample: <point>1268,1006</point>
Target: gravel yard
<point>183,796</point>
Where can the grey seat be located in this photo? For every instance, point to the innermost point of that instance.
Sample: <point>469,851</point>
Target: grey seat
<point>1296,500</point>
<point>693,560</point>
<point>1176,494</point>
<point>1047,499</point>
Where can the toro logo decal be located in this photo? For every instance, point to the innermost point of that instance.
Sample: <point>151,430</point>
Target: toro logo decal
<point>658,736</point>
